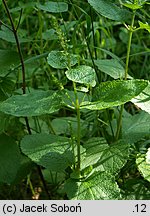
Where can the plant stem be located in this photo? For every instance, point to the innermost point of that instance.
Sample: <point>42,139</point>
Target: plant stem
<point>30,185</point>
<point>79,127</point>
<point>14,30</point>
<point>119,126</point>
<point>18,46</point>
<point>129,46</point>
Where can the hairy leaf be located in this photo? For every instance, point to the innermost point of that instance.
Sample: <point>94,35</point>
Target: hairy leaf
<point>59,60</point>
<point>99,186</point>
<point>82,74</point>
<point>32,104</point>
<point>94,149</point>
<point>50,151</point>
<point>110,10</point>
<point>114,93</point>
<point>143,99</point>
<point>148,156</point>
<point>114,158</point>
<point>143,166</point>
<point>136,127</point>
<point>112,67</point>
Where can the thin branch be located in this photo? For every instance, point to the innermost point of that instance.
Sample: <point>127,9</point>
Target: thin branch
<point>19,19</point>
<point>18,46</point>
<point>1,22</point>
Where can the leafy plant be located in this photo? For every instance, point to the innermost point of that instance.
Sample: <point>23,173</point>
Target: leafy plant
<point>70,94</point>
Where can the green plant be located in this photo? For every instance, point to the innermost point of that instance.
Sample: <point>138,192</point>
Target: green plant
<point>74,123</point>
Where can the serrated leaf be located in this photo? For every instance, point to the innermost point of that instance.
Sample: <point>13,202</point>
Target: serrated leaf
<point>143,99</point>
<point>104,157</point>
<point>10,159</point>
<point>110,10</point>
<point>82,74</point>
<point>32,104</point>
<point>134,189</point>
<point>145,26</point>
<point>94,150</point>
<point>59,60</point>
<point>53,7</point>
<point>114,93</point>
<point>99,186</point>
<point>143,166</point>
<point>148,156</point>
<point>136,127</point>
<point>112,67</point>
<point>114,158</point>
<point>50,151</point>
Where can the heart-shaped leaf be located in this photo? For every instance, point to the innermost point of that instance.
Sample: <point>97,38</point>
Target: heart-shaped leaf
<point>50,151</point>
<point>99,186</point>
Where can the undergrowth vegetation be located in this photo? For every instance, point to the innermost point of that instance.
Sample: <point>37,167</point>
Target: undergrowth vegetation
<point>75,99</point>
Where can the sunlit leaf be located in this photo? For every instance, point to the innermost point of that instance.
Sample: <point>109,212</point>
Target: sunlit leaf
<point>136,127</point>
<point>104,157</point>
<point>114,93</point>
<point>59,59</point>
<point>143,99</point>
<point>111,67</point>
<point>94,150</point>
<point>114,158</point>
<point>145,26</point>
<point>132,6</point>
<point>82,74</point>
<point>143,166</point>
<point>148,156</point>
<point>32,104</point>
<point>99,186</point>
<point>110,10</point>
